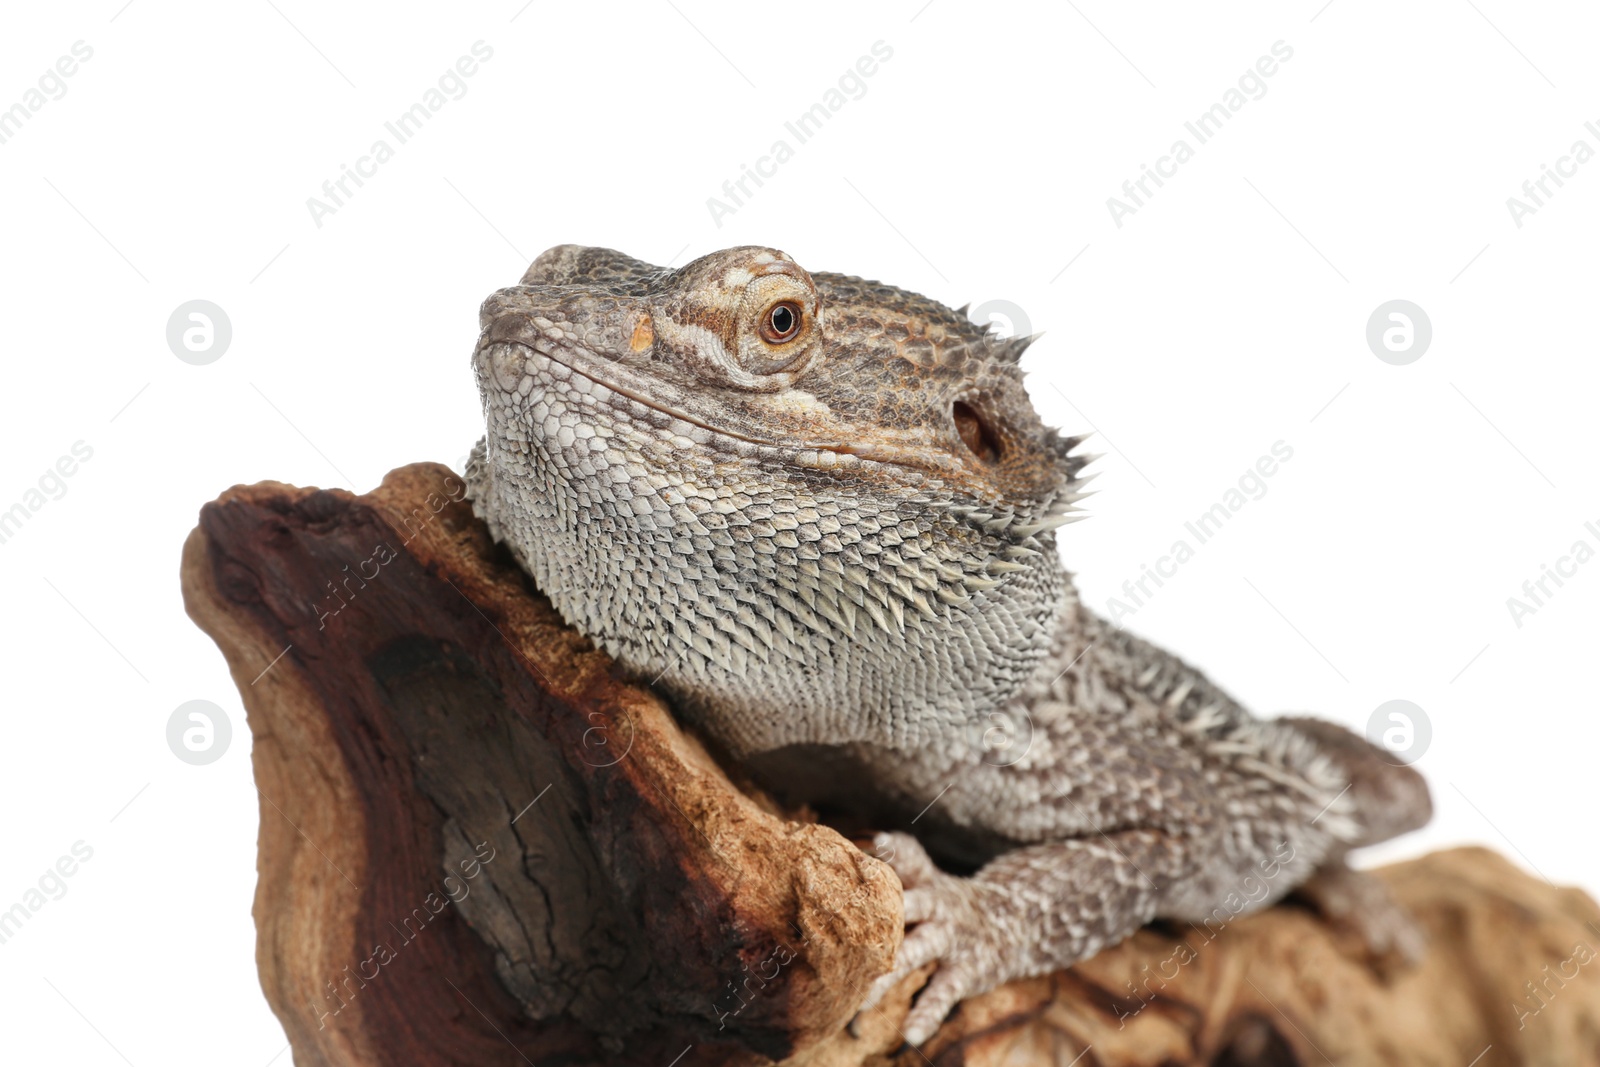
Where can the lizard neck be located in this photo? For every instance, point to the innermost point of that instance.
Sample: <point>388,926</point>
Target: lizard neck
<point>782,613</point>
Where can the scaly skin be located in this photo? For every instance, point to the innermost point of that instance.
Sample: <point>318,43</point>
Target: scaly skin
<point>819,513</point>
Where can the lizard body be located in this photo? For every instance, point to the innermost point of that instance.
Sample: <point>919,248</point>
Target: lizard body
<point>819,513</point>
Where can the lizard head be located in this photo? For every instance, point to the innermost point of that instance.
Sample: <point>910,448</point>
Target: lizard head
<point>821,372</point>
<point>739,460</point>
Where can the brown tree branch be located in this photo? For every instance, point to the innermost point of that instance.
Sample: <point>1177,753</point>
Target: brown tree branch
<point>480,844</point>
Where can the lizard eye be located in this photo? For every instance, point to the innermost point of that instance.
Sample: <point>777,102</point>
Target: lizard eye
<point>781,322</point>
<point>976,434</point>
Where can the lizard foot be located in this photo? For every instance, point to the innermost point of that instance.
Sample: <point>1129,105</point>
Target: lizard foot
<point>1359,904</point>
<point>951,924</point>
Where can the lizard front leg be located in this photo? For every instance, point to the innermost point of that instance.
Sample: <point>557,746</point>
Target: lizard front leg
<point>1388,798</point>
<point>1029,911</point>
<point>1046,906</point>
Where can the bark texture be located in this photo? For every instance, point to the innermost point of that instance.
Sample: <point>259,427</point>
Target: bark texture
<point>481,844</point>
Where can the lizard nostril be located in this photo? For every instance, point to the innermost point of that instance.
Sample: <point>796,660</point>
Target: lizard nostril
<point>644,335</point>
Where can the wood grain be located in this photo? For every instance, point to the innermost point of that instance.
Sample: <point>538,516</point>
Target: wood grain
<point>481,844</point>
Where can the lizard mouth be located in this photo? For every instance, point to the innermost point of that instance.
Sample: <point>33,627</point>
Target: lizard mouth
<point>639,398</point>
<point>821,453</point>
<point>530,349</point>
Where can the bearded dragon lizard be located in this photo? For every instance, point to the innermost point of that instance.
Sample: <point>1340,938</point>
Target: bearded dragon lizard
<point>821,513</point>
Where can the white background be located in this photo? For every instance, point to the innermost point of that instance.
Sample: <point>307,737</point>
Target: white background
<point>1227,314</point>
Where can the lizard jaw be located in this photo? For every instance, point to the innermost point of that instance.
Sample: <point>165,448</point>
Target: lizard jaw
<point>520,367</point>
<point>506,360</point>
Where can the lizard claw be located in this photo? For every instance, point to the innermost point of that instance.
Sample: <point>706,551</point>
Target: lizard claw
<point>950,927</point>
<point>1359,904</point>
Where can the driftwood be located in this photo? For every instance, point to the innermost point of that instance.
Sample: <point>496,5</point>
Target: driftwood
<point>481,844</point>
